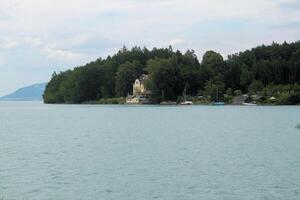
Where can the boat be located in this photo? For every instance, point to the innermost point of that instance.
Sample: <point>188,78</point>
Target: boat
<point>168,103</point>
<point>249,104</point>
<point>184,101</point>
<point>218,103</point>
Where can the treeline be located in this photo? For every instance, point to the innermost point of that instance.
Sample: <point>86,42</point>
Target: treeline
<point>171,71</point>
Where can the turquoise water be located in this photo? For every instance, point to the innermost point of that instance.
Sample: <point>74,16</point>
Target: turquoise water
<point>72,152</point>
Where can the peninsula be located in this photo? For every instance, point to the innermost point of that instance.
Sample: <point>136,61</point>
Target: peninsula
<point>262,75</point>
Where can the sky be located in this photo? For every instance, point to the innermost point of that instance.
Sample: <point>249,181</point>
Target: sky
<point>38,37</point>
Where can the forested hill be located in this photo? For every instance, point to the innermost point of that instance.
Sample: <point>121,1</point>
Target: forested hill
<point>169,71</point>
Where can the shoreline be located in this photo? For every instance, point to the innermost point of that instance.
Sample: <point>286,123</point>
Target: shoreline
<point>175,105</point>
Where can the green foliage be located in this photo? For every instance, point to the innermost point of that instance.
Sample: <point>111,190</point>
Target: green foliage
<point>125,77</point>
<point>214,89</point>
<point>213,62</point>
<point>117,100</point>
<point>109,101</point>
<point>170,76</point>
<point>103,78</point>
<point>255,87</point>
<point>288,99</point>
<point>53,92</point>
<point>277,67</point>
<point>229,92</point>
<point>246,77</point>
<point>237,92</point>
<point>164,79</point>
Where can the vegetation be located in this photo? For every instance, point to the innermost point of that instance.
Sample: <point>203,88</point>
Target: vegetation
<point>120,100</point>
<point>271,71</point>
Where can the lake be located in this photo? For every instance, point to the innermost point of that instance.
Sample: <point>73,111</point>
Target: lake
<point>89,152</point>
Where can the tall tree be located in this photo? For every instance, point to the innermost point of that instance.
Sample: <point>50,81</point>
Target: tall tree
<point>125,77</point>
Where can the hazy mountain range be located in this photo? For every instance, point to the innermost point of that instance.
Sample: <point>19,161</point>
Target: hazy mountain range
<point>29,93</point>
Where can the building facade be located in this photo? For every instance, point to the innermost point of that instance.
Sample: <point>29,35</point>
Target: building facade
<point>139,86</point>
<point>140,95</point>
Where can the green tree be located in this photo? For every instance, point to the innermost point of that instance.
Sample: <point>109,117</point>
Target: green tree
<point>277,65</point>
<point>214,89</point>
<point>125,77</point>
<point>164,79</point>
<point>256,86</point>
<point>213,62</point>
<point>246,77</point>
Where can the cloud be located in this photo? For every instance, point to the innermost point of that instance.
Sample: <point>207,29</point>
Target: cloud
<point>63,55</point>
<point>62,34</point>
<point>86,43</point>
<point>13,42</point>
<point>292,5</point>
<point>176,41</point>
<point>292,25</point>
<point>10,44</point>
<point>33,41</point>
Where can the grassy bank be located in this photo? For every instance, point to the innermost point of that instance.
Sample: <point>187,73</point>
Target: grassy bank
<point>113,101</point>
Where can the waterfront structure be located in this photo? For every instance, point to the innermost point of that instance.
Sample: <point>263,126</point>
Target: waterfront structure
<point>140,94</point>
<point>139,86</point>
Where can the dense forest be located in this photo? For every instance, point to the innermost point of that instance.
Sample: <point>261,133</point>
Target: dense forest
<point>266,70</point>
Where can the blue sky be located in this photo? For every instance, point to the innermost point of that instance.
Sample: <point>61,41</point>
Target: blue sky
<point>38,37</point>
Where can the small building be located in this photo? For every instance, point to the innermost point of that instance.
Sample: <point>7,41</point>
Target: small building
<point>240,100</point>
<point>139,85</point>
<point>140,94</point>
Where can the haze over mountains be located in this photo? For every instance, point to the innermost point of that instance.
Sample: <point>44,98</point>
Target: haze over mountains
<point>30,93</point>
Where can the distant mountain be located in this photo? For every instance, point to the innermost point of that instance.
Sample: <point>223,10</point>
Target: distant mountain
<point>29,93</point>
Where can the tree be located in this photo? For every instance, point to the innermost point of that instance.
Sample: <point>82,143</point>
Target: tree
<point>164,79</point>
<point>213,62</point>
<point>125,77</point>
<point>276,66</point>
<point>214,89</point>
<point>246,77</point>
<point>256,86</point>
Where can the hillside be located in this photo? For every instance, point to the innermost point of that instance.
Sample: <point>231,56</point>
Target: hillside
<point>29,93</point>
<point>272,70</point>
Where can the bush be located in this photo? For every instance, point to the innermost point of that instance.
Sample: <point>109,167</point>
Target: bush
<point>288,99</point>
<point>108,101</point>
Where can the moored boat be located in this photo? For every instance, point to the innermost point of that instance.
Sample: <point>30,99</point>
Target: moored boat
<point>249,104</point>
<point>186,103</point>
<point>218,103</point>
<point>168,103</point>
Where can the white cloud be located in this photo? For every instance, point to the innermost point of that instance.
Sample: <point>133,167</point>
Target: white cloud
<point>63,55</point>
<point>70,32</point>
<point>33,41</point>
<point>177,41</point>
<point>10,44</point>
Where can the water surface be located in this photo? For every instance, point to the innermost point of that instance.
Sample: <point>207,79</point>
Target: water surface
<point>73,152</point>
